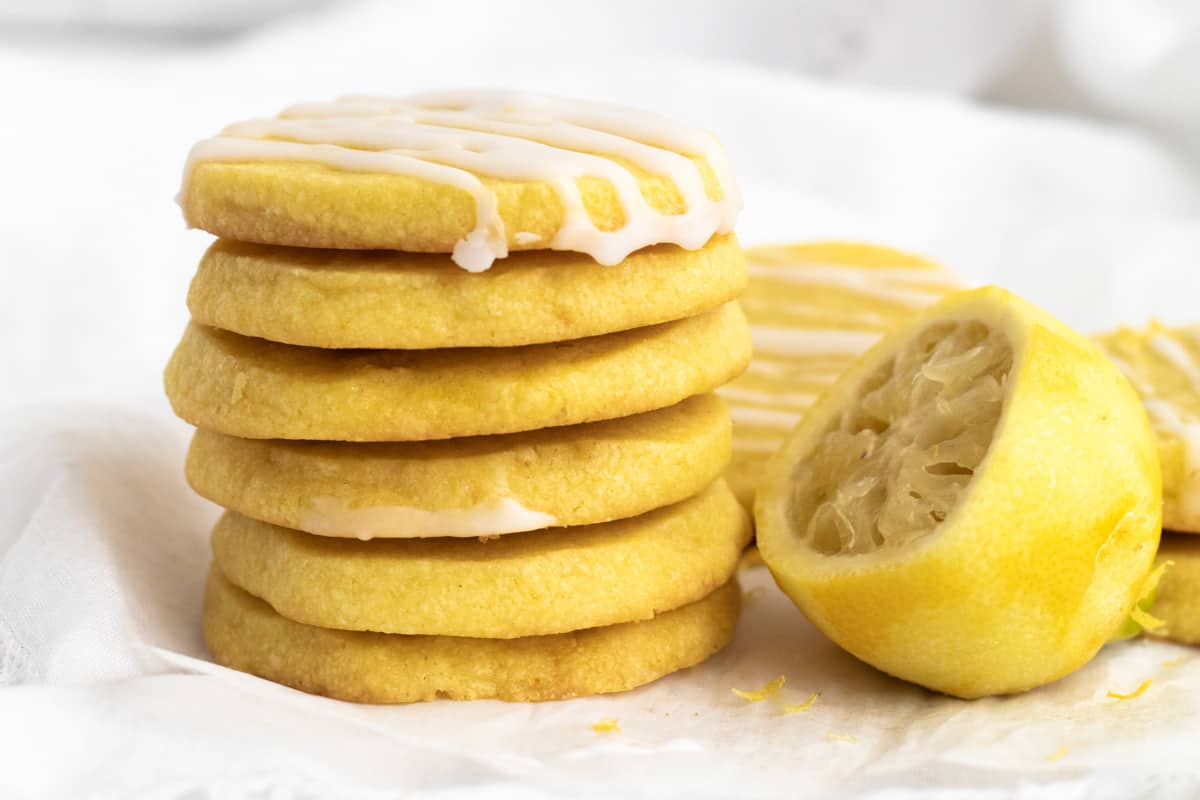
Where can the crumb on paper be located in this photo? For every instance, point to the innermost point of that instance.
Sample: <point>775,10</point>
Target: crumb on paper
<point>841,737</point>
<point>1058,754</point>
<point>1142,687</point>
<point>606,725</point>
<point>753,593</point>
<point>800,708</point>
<point>1173,662</point>
<point>768,689</point>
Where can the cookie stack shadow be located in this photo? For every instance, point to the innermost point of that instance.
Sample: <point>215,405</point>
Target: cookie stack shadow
<point>438,483</point>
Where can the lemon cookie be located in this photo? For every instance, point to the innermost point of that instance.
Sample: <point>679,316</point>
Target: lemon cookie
<point>1177,598</point>
<point>478,486</point>
<point>259,389</point>
<point>526,584</point>
<point>1163,364</point>
<point>813,308</point>
<point>405,301</point>
<point>471,173</point>
<point>244,633</point>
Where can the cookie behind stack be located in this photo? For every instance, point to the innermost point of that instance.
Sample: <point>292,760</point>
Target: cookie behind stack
<point>527,448</point>
<point>813,309</point>
<point>1163,365</point>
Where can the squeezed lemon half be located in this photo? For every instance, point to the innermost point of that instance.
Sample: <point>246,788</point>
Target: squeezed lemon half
<point>973,506</point>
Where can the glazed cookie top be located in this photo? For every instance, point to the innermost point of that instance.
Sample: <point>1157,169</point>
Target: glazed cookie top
<point>472,173</point>
<point>1163,365</point>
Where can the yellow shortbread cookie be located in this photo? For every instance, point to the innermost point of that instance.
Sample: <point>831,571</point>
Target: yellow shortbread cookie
<point>1163,364</point>
<point>526,584</point>
<point>259,389</point>
<point>405,301</point>
<point>475,174</point>
<point>478,486</point>
<point>1177,598</point>
<point>813,309</point>
<point>244,633</point>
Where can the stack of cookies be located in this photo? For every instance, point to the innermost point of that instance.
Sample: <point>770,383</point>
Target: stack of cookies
<point>452,363</point>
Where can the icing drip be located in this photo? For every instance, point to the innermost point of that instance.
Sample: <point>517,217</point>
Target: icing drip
<point>329,516</point>
<point>454,137</point>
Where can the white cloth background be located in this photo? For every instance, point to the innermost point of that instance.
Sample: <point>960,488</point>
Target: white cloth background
<point>103,549</point>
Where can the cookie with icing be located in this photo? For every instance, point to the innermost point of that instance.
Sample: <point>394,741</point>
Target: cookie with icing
<point>392,300</point>
<point>472,173</point>
<point>1163,364</point>
<point>524,584</point>
<point>813,309</point>
<point>257,389</point>
<point>1177,597</point>
<point>244,633</point>
<point>477,486</point>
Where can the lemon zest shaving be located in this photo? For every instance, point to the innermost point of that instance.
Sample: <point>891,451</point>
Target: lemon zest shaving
<point>800,708</point>
<point>1058,754</point>
<point>840,737</point>
<point>1142,687</point>
<point>1173,662</point>
<point>1150,584</point>
<point>1147,620</point>
<point>768,689</point>
<point>606,725</point>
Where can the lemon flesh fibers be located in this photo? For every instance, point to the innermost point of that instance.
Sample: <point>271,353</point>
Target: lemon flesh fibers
<point>973,506</point>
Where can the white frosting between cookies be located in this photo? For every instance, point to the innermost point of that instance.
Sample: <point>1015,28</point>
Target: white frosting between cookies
<point>454,137</point>
<point>329,516</point>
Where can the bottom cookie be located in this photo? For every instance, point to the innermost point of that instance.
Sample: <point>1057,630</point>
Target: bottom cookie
<point>246,634</point>
<point>1177,599</point>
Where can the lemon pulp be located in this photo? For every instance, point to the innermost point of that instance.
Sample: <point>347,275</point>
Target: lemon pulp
<point>892,466</point>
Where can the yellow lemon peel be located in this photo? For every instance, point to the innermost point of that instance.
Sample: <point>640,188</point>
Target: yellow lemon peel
<point>840,737</point>
<point>800,708</point>
<point>1142,687</point>
<point>606,725</point>
<point>1173,662</point>
<point>768,689</point>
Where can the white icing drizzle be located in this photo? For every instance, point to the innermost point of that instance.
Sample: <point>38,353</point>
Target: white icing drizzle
<point>329,516</point>
<point>742,394</point>
<point>924,285</point>
<point>1166,417</point>
<point>809,342</point>
<point>1179,357</point>
<point>776,418</point>
<point>744,444</point>
<point>455,137</point>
